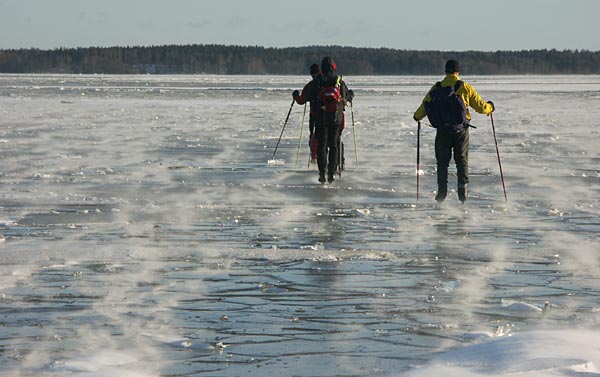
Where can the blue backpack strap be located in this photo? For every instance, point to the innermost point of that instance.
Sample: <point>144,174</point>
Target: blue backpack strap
<point>438,85</point>
<point>458,85</point>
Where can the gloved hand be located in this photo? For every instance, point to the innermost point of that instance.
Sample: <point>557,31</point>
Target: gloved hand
<point>295,94</point>
<point>350,95</point>
<point>415,118</point>
<point>493,107</point>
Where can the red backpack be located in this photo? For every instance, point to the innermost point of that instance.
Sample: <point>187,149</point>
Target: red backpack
<point>330,95</point>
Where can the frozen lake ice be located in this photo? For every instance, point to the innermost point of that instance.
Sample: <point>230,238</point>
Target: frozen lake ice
<point>144,233</point>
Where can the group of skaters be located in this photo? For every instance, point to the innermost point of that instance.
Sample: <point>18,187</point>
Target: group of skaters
<point>446,105</point>
<point>328,96</point>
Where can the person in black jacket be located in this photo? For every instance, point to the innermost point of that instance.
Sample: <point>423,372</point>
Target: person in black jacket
<point>309,94</point>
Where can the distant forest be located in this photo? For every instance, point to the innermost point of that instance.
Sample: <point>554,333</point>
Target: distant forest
<point>255,60</point>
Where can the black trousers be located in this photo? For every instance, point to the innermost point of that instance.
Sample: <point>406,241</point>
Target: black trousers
<point>328,139</point>
<point>446,144</point>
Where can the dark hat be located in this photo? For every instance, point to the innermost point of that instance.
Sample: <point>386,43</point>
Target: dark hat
<point>314,69</point>
<point>328,65</point>
<point>452,66</point>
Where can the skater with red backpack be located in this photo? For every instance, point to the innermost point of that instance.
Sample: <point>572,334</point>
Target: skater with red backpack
<point>333,97</point>
<point>330,94</point>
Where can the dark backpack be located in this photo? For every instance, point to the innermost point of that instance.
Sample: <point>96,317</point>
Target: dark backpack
<point>446,110</point>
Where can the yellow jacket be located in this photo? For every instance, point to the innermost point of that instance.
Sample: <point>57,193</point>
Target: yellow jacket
<point>466,91</point>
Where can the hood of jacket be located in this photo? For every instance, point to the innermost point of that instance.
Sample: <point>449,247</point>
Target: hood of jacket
<point>328,66</point>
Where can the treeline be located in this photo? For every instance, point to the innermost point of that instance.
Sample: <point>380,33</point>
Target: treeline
<point>220,59</point>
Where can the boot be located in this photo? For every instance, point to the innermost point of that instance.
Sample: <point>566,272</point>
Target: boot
<point>462,192</point>
<point>322,177</point>
<point>441,194</point>
<point>330,177</point>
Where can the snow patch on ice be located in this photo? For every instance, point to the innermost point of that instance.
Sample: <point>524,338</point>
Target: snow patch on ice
<point>276,162</point>
<point>528,354</point>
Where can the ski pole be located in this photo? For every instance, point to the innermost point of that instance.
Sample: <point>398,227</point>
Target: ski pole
<point>498,153</point>
<point>310,144</point>
<point>340,155</point>
<point>418,157</point>
<point>354,134</point>
<point>300,141</point>
<point>283,129</point>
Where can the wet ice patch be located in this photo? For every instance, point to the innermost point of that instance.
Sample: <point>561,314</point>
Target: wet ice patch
<point>522,307</point>
<point>317,247</point>
<point>446,286</point>
<point>363,211</point>
<point>107,363</point>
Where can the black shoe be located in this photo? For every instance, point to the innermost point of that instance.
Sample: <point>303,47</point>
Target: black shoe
<point>330,178</point>
<point>321,177</point>
<point>441,195</point>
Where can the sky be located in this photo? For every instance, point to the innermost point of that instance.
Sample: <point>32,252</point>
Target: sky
<point>457,25</point>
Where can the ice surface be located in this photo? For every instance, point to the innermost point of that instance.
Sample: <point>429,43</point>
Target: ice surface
<point>146,232</point>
